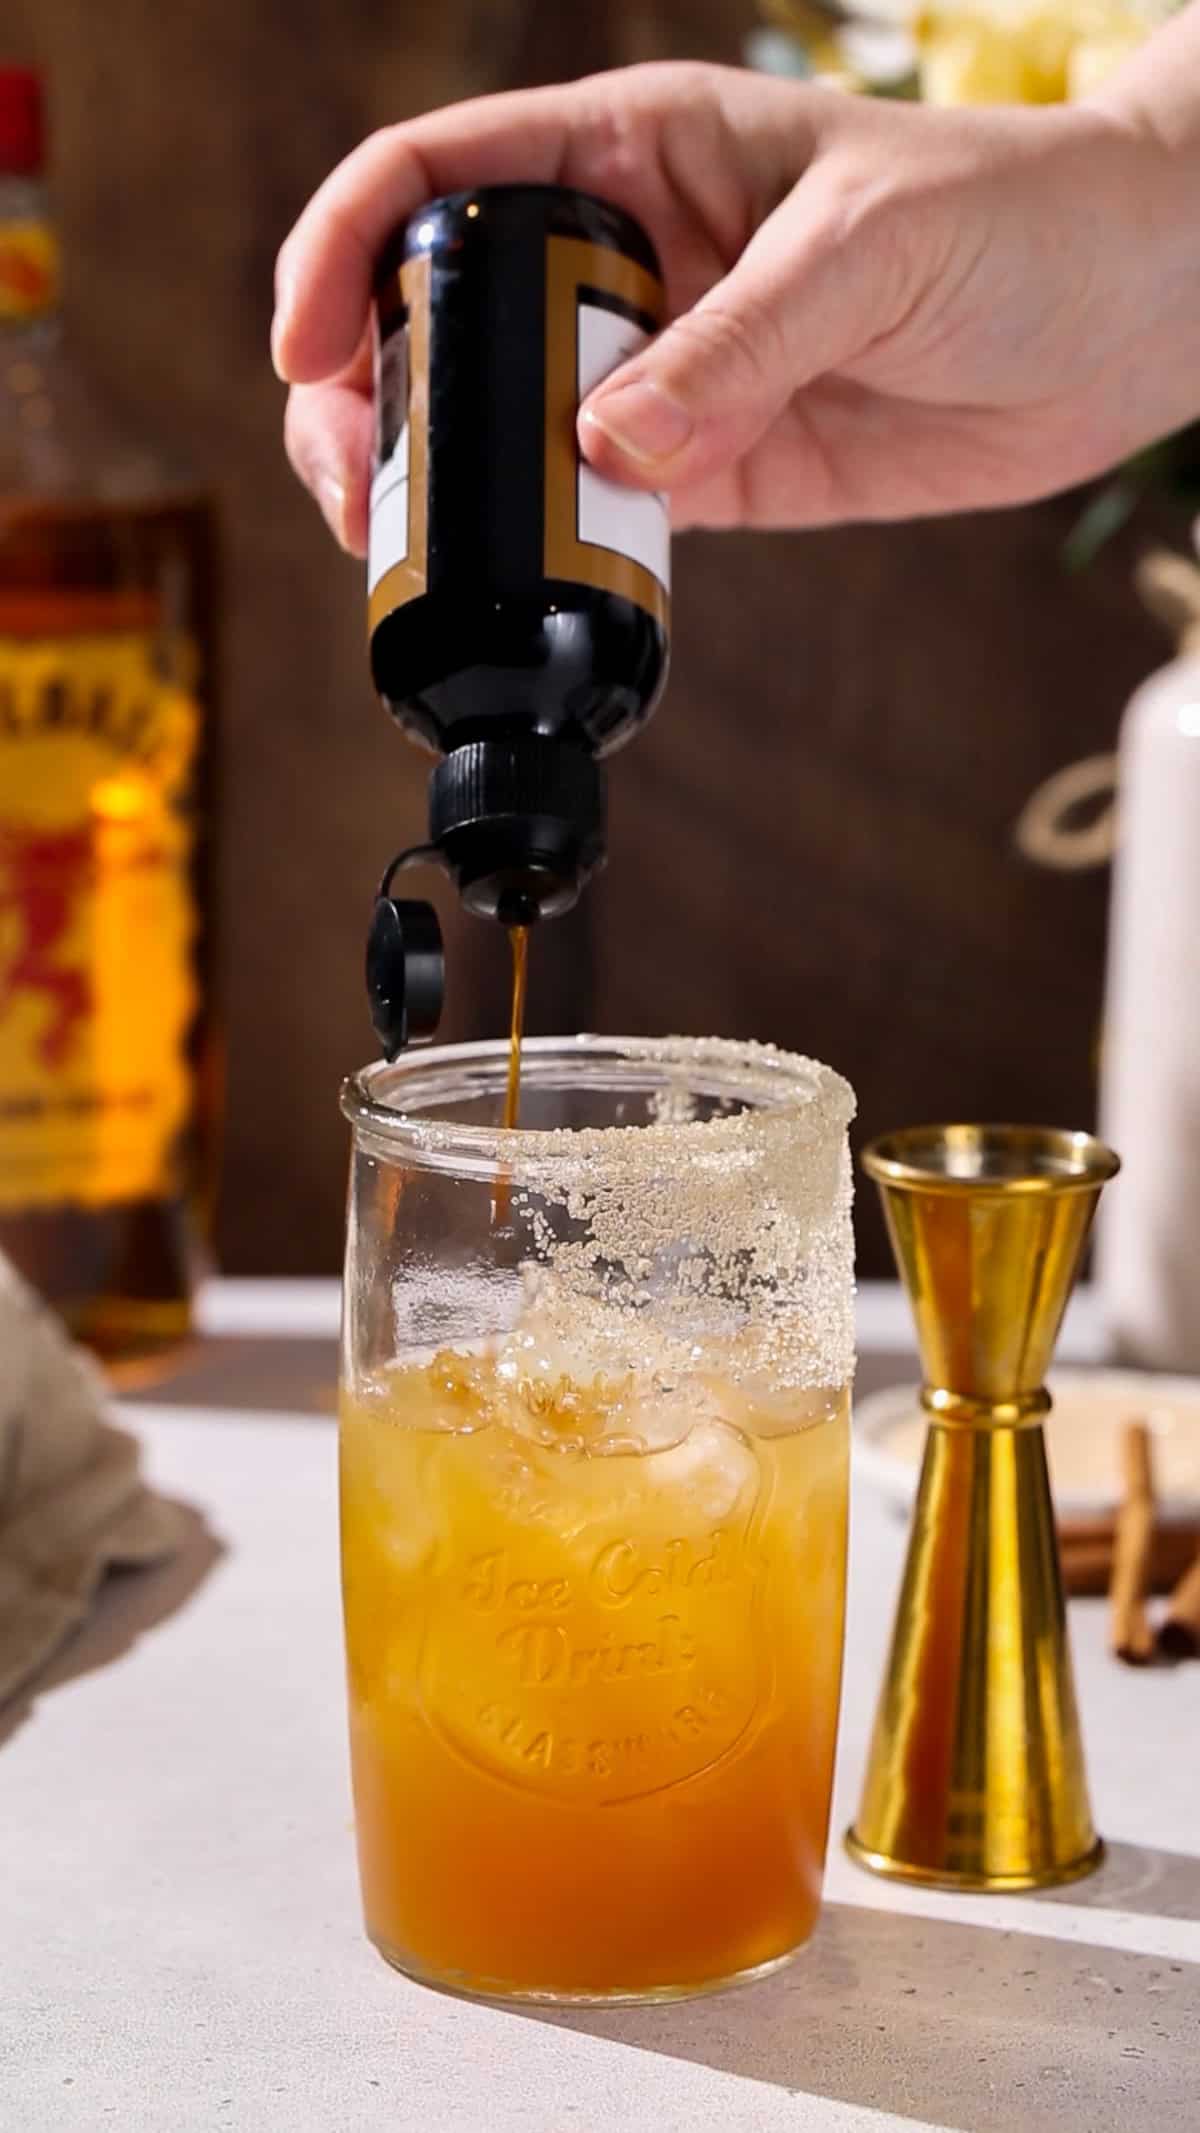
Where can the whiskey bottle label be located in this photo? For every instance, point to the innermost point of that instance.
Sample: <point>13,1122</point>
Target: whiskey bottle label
<point>29,268</point>
<point>98,735</point>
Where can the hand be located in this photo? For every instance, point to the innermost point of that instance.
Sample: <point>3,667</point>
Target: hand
<point>879,310</point>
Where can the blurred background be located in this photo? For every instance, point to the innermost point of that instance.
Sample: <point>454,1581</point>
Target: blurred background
<point>814,843</point>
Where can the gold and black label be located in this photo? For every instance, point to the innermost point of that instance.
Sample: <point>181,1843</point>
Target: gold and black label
<point>397,559</point>
<point>601,307</point>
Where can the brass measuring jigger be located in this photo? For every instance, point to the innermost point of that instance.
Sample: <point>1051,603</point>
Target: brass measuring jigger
<point>975,1777</point>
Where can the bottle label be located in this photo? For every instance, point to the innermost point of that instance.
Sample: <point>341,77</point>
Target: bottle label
<point>98,735</point>
<point>396,563</point>
<point>608,515</point>
<point>28,268</point>
<point>389,540</point>
<point>601,306</point>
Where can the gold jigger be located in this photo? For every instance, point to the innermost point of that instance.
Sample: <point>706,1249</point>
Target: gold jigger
<point>975,1778</point>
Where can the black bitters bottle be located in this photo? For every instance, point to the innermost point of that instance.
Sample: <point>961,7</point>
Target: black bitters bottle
<point>518,602</point>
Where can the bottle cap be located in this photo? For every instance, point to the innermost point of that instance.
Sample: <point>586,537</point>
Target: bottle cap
<point>22,123</point>
<point>519,824</point>
<point>405,973</point>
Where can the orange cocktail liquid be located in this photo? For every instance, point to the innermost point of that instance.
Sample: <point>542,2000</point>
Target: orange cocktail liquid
<point>594,1664</point>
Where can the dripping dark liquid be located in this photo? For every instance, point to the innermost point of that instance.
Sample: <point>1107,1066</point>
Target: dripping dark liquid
<point>502,1191</point>
<point>519,938</point>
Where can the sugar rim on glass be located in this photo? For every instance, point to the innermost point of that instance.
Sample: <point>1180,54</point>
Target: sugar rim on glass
<point>784,1092</point>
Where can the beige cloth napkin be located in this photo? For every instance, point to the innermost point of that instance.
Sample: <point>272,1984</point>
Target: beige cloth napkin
<point>72,1502</point>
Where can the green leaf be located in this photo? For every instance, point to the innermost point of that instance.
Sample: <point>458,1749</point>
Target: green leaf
<point>1101,517</point>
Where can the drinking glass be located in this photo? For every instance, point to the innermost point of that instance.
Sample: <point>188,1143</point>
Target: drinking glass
<point>593,1500</point>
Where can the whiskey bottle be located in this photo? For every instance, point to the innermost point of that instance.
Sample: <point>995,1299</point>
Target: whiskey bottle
<point>107,1098</point>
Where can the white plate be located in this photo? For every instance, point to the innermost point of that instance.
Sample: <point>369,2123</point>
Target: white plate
<point>1089,1409</point>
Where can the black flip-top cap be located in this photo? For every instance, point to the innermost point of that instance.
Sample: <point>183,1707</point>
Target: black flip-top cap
<point>519,823</point>
<point>405,973</point>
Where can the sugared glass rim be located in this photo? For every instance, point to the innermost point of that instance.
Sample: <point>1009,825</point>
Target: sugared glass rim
<point>390,1106</point>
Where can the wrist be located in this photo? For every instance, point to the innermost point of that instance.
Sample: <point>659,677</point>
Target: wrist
<point>1145,160</point>
<point>1153,97</point>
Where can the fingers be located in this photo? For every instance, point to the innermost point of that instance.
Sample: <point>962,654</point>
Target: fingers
<point>327,432</point>
<point>324,271</point>
<point>804,297</point>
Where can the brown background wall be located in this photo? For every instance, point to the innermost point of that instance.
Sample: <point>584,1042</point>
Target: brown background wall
<point>813,842</point>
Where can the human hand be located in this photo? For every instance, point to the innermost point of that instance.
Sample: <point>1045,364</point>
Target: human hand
<point>878,311</point>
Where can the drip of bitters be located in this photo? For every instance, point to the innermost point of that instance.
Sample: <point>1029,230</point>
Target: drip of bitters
<point>502,1190</point>
<point>519,939</point>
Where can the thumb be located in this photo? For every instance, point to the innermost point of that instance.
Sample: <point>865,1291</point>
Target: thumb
<point>699,396</point>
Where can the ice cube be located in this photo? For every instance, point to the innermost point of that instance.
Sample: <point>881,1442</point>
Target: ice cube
<point>710,1476</point>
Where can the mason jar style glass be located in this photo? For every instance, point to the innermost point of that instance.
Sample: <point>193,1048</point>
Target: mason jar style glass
<point>593,1472</point>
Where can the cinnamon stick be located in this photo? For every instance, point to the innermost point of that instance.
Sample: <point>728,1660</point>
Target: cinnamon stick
<point>1179,1632</point>
<point>1086,1553</point>
<point>1130,1635</point>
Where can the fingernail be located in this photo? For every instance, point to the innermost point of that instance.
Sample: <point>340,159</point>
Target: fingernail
<point>643,421</point>
<point>279,326</point>
<point>281,321</point>
<point>331,496</point>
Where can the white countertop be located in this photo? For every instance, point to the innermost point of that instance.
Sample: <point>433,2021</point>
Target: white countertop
<point>181,1945</point>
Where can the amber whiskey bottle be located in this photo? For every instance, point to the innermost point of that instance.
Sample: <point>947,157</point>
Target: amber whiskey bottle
<point>107,1098</point>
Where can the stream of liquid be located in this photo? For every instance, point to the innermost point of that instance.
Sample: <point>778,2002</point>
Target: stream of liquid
<point>519,939</point>
<point>502,1189</point>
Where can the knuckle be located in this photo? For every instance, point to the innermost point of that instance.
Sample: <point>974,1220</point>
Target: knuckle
<point>671,81</point>
<point>853,202</point>
<point>857,219</point>
<point>742,342</point>
<point>607,146</point>
<point>623,113</point>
